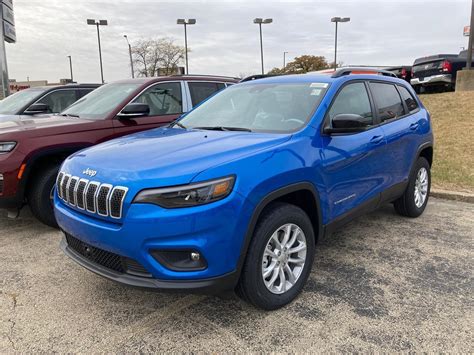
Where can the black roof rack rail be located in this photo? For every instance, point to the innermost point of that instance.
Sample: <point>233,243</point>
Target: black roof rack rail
<point>205,75</point>
<point>361,70</point>
<point>258,76</point>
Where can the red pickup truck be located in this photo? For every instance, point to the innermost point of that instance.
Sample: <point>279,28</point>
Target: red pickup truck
<point>32,149</point>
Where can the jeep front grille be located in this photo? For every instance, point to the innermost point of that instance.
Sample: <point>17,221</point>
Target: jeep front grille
<point>103,199</point>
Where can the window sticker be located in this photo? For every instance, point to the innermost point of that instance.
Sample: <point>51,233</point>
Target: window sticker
<point>319,85</point>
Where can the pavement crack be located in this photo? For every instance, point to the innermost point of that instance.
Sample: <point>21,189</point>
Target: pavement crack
<point>13,297</point>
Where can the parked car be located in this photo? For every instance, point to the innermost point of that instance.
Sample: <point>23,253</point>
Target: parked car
<point>43,100</point>
<point>437,72</point>
<point>402,72</point>
<point>237,192</point>
<point>32,149</point>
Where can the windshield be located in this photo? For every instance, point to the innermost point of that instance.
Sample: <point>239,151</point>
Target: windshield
<point>279,108</point>
<point>102,101</point>
<point>13,104</point>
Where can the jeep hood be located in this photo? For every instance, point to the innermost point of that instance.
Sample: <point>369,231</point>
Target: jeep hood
<point>26,123</point>
<point>166,156</point>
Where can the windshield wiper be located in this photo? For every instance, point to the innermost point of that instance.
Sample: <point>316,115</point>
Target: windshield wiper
<point>69,115</point>
<point>176,123</point>
<point>223,128</point>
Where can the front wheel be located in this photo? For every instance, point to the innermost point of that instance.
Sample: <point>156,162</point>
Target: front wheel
<point>279,258</point>
<point>40,196</point>
<point>413,202</point>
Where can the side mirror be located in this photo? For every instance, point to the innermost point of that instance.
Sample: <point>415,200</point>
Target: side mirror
<point>347,123</point>
<point>37,108</point>
<point>134,109</point>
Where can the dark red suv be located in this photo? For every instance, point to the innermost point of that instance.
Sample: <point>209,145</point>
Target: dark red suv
<point>31,149</point>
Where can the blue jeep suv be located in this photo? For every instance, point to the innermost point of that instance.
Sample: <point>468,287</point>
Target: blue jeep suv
<point>235,194</point>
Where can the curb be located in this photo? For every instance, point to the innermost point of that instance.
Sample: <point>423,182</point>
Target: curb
<point>453,195</point>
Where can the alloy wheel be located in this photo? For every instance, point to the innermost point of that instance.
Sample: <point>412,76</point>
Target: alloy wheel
<point>421,187</point>
<point>284,258</point>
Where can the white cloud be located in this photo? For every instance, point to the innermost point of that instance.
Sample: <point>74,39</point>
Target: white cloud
<point>224,40</point>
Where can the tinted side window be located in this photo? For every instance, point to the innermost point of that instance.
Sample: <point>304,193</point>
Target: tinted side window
<point>202,90</point>
<point>353,99</point>
<point>387,101</point>
<point>59,100</point>
<point>163,99</point>
<point>408,98</point>
<point>83,92</point>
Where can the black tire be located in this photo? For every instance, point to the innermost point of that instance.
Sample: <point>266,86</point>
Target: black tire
<point>251,286</point>
<point>406,205</point>
<point>39,196</point>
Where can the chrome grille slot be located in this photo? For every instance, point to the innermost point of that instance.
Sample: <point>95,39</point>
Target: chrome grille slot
<point>80,190</point>
<point>58,183</point>
<point>71,189</point>
<point>116,201</point>
<point>64,186</point>
<point>103,199</point>
<point>90,196</point>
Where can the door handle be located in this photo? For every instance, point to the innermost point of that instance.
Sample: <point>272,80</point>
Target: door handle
<point>376,139</point>
<point>414,126</point>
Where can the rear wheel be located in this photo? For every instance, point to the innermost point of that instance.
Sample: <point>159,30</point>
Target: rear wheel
<point>414,200</point>
<point>40,196</point>
<point>279,258</point>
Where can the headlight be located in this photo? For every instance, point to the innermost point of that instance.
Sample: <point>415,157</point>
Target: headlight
<point>187,195</point>
<point>6,147</point>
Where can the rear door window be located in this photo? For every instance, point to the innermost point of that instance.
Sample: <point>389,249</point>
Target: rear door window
<point>201,90</point>
<point>410,102</point>
<point>387,100</point>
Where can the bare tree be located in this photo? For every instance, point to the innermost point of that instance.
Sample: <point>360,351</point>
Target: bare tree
<point>153,57</point>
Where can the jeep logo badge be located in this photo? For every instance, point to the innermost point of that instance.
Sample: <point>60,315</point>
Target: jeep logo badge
<point>90,172</point>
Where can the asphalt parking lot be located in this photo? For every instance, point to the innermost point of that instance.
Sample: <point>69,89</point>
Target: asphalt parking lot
<point>384,283</point>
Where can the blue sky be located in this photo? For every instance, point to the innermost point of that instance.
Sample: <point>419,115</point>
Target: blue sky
<point>225,41</point>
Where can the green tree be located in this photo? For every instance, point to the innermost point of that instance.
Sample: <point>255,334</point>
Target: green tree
<point>303,64</point>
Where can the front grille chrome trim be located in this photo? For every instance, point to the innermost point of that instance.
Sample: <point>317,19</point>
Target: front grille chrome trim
<point>107,199</point>
<point>117,188</point>
<point>94,197</point>
<point>94,207</point>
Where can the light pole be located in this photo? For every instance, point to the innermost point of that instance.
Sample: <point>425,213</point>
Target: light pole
<point>471,40</point>
<point>336,20</point>
<point>261,21</point>
<point>130,54</point>
<point>284,59</point>
<point>182,21</point>
<point>93,22</point>
<point>70,67</point>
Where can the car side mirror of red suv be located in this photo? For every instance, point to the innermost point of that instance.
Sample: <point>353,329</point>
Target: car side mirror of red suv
<point>133,110</point>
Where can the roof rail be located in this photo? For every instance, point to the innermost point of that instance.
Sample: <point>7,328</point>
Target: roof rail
<point>361,70</point>
<point>258,76</point>
<point>204,75</point>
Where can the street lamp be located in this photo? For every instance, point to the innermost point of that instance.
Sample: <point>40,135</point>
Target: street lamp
<point>93,22</point>
<point>284,59</point>
<point>336,20</point>
<point>471,40</point>
<point>70,67</point>
<point>130,54</point>
<point>182,21</point>
<point>261,21</point>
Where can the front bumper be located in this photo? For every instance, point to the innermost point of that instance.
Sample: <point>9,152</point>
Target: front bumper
<point>215,230</point>
<point>212,285</point>
<point>440,79</point>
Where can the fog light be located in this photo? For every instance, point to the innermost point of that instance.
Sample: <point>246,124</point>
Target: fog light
<point>180,260</point>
